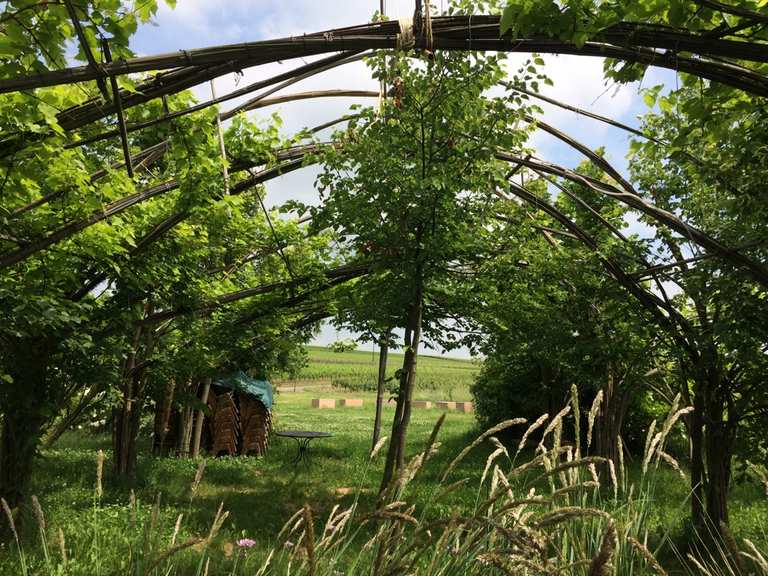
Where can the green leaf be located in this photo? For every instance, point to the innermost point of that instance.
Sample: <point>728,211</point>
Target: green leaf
<point>7,48</point>
<point>507,18</point>
<point>580,38</point>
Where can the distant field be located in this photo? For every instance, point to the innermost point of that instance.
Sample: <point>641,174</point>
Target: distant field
<point>438,378</point>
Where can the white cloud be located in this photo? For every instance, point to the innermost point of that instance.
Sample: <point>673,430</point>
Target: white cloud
<point>577,80</point>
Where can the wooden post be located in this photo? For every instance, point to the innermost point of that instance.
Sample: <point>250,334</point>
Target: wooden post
<point>87,48</point>
<point>119,109</point>
<point>199,420</point>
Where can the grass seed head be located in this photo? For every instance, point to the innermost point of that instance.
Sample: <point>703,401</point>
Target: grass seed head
<point>376,449</point>
<point>614,482</point>
<point>197,479</point>
<point>479,440</point>
<point>553,424</point>
<point>309,539</point>
<point>576,416</point>
<point>37,510</point>
<point>99,474</point>
<point>601,564</point>
<point>650,560</point>
<point>756,556</point>
<point>672,463</point>
<point>647,451</point>
<point>176,529</point>
<point>620,446</point>
<point>62,546</point>
<point>593,411</point>
<point>532,428</point>
<point>9,516</point>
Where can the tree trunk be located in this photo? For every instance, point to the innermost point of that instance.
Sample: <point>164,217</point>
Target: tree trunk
<point>186,418</point>
<point>200,417</point>
<point>19,439</point>
<point>163,416</point>
<point>127,419</point>
<point>383,353</point>
<point>123,415</point>
<point>396,451</point>
<point>25,403</point>
<point>611,421</point>
<point>126,430</point>
<point>717,445</point>
<point>712,451</point>
<point>697,459</point>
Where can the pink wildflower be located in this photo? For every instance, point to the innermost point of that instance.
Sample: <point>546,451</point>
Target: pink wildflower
<point>246,543</point>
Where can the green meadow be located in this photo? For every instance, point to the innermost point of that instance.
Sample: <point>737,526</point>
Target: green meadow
<point>125,530</point>
<point>437,377</point>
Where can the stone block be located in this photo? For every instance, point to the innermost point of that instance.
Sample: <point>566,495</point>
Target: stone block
<point>422,404</point>
<point>465,407</point>
<point>445,405</point>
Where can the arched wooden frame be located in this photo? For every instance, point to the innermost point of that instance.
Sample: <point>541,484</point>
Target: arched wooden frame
<point>293,159</point>
<point>631,42</point>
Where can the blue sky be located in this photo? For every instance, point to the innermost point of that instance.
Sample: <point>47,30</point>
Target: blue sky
<point>199,23</point>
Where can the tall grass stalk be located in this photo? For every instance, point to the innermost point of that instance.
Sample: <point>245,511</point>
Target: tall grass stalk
<point>15,533</point>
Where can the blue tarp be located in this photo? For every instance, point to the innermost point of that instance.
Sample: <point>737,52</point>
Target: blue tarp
<point>241,382</point>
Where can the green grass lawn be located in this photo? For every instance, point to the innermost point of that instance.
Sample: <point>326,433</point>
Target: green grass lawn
<point>260,494</point>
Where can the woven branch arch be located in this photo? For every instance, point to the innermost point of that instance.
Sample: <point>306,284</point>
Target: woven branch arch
<point>631,42</point>
<point>293,159</point>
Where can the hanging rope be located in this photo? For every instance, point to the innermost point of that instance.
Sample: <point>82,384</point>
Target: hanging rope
<point>426,30</point>
<point>406,39</point>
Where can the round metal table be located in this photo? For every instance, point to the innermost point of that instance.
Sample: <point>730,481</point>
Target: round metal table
<point>303,439</point>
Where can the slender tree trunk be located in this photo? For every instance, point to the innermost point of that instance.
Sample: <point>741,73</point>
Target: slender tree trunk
<point>411,357</point>
<point>199,419</point>
<point>712,447</point>
<point>717,445</point>
<point>123,415</point>
<point>128,418</point>
<point>185,424</point>
<point>396,452</point>
<point>611,421</point>
<point>718,474</point>
<point>69,420</point>
<point>126,429</point>
<point>383,353</point>
<point>163,416</point>
<point>697,459</point>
